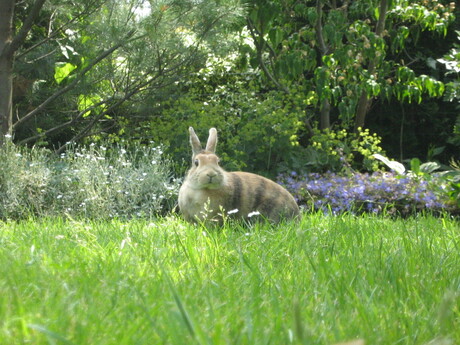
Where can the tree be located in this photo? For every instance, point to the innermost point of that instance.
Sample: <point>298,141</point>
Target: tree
<point>345,54</point>
<point>9,44</point>
<point>89,61</point>
<point>364,101</point>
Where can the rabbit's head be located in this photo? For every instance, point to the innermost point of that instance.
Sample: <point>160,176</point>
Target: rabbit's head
<point>205,172</point>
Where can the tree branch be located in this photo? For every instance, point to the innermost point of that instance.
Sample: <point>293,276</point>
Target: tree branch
<point>140,85</point>
<point>25,28</point>
<point>88,11</point>
<point>73,84</point>
<point>65,124</point>
<point>364,101</point>
<point>96,118</point>
<point>319,28</point>
<point>260,47</point>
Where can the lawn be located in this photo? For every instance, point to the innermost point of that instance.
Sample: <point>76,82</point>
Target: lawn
<point>324,280</point>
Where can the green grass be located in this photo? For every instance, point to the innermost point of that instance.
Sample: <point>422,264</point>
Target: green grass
<point>322,281</point>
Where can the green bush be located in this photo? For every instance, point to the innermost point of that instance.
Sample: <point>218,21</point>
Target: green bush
<point>94,182</point>
<point>257,132</point>
<point>339,151</point>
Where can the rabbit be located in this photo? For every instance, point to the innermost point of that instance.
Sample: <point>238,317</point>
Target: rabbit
<point>211,193</point>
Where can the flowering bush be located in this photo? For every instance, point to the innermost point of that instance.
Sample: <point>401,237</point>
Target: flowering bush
<point>379,192</point>
<point>23,180</point>
<point>94,182</point>
<point>117,182</point>
<point>340,150</point>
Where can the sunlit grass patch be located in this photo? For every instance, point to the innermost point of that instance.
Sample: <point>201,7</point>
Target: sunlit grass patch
<point>322,280</point>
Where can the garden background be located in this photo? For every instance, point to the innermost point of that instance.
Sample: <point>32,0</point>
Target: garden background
<point>353,106</point>
<point>295,89</point>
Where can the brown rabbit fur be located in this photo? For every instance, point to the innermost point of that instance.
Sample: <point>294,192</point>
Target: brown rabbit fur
<point>209,191</point>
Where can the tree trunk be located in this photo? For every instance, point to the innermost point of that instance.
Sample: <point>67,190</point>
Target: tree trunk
<point>6,67</point>
<point>325,122</point>
<point>325,109</point>
<point>9,44</point>
<point>364,101</point>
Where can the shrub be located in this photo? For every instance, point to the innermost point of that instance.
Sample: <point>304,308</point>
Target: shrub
<point>339,150</point>
<point>94,182</point>
<point>119,182</point>
<point>379,192</point>
<point>256,132</point>
<point>454,192</point>
<point>257,128</point>
<point>24,177</point>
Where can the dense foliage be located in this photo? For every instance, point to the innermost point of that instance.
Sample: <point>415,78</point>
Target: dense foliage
<point>84,68</point>
<point>268,74</point>
<point>367,63</point>
<point>127,181</point>
<point>311,87</point>
<point>257,131</point>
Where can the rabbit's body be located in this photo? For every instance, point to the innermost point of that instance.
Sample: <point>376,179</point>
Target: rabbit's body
<point>209,192</point>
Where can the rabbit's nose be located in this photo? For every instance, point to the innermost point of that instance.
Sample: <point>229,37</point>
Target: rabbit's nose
<point>211,175</point>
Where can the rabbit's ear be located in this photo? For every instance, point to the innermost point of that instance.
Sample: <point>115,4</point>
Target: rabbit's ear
<point>212,141</point>
<point>194,141</point>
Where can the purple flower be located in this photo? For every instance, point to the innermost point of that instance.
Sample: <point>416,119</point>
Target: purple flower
<point>363,192</point>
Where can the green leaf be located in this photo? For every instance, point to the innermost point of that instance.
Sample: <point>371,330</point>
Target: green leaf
<point>87,101</point>
<point>62,71</point>
<point>415,165</point>
<point>276,36</point>
<point>312,15</point>
<point>429,167</point>
<point>343,109</point>
<point>329,61</point>
<point>431,62</point>
<point>377,12</point>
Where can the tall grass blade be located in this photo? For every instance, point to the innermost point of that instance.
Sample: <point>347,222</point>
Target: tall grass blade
<point>50,334</point>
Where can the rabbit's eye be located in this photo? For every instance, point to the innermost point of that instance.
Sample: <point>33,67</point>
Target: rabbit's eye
<point>197,162</point>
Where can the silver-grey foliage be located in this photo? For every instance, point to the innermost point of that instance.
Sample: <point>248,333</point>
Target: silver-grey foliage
<point>94,182</point>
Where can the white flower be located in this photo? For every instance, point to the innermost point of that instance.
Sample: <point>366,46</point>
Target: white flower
<point>254,213</point>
